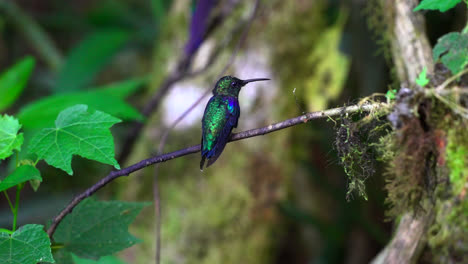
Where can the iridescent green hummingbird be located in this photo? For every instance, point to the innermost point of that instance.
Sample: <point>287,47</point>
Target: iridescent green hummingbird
<point>220,117</point>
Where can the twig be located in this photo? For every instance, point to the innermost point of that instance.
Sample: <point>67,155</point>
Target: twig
<point>451,79</point>
<point>194,149</point>
<point>33,33</point>
<point>157,214</point>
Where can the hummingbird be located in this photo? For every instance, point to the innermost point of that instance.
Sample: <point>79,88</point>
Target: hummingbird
<point>220,117</point>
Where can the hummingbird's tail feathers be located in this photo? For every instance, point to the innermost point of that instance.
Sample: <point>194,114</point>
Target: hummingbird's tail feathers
<point>202,162</point>
<point>218,149</point>
<point>211,161</point>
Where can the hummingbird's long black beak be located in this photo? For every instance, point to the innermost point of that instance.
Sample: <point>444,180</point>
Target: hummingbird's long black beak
<point>244,82</point>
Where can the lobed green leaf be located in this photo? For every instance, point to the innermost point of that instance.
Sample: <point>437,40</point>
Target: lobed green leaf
<point>95,229</point>
<point>9,138</point>
<point>391,95</point>
<point>452,49</point>
<point>76,132</point>
<point>28,245</point>
<point>422,79</point>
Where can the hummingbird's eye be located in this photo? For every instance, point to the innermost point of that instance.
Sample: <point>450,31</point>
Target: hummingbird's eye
<point>233,84</point>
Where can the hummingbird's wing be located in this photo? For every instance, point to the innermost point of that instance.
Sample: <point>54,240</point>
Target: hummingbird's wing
<point>221,116</point>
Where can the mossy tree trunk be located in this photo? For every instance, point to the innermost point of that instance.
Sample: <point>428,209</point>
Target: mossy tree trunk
<point>420,188</point>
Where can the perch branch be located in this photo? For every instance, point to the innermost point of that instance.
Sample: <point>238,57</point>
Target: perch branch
<point>194,149</point>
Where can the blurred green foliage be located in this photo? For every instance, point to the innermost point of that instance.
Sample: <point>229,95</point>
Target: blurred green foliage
<point>274,199</point>
<point>88,58</point>
<point>13,81</point>
<point>108,99</point>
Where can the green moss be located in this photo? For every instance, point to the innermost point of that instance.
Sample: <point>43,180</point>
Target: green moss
<point>457,158</point>
<point>409,173</point>
<point>448,236</point>
<point>356,143</point>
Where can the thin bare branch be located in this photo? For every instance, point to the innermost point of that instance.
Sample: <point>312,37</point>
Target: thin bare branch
<point>157,215</point>
<point>194,149</point>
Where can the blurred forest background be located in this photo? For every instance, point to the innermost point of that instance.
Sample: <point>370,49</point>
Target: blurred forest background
<point>279,198</point>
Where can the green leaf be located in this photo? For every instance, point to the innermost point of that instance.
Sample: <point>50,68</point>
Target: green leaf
<point>9,138</point>
<point>452,49</point>
<point>76,132</point>
<point>13,81</point>
<point>28,245</point>
<point>95,229</point>
<point>422,78</point>
<point>107,99</point>
<point>441,5</point>
<point>62,256</point>
<point>122,89</point>
<point>35,184</point>
<point>103,260</point>
<point>20,175</point>
<point>391,94</point>
<point>87,59</point>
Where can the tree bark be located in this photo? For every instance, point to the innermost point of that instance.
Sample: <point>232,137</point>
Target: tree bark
<point>410,47</point>
<point>411,52</point>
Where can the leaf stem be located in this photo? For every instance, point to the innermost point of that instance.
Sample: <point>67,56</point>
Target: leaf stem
<point>15,212</point>
<point>3,230</point>
<point>9,201</point>
<point>57,246</point>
